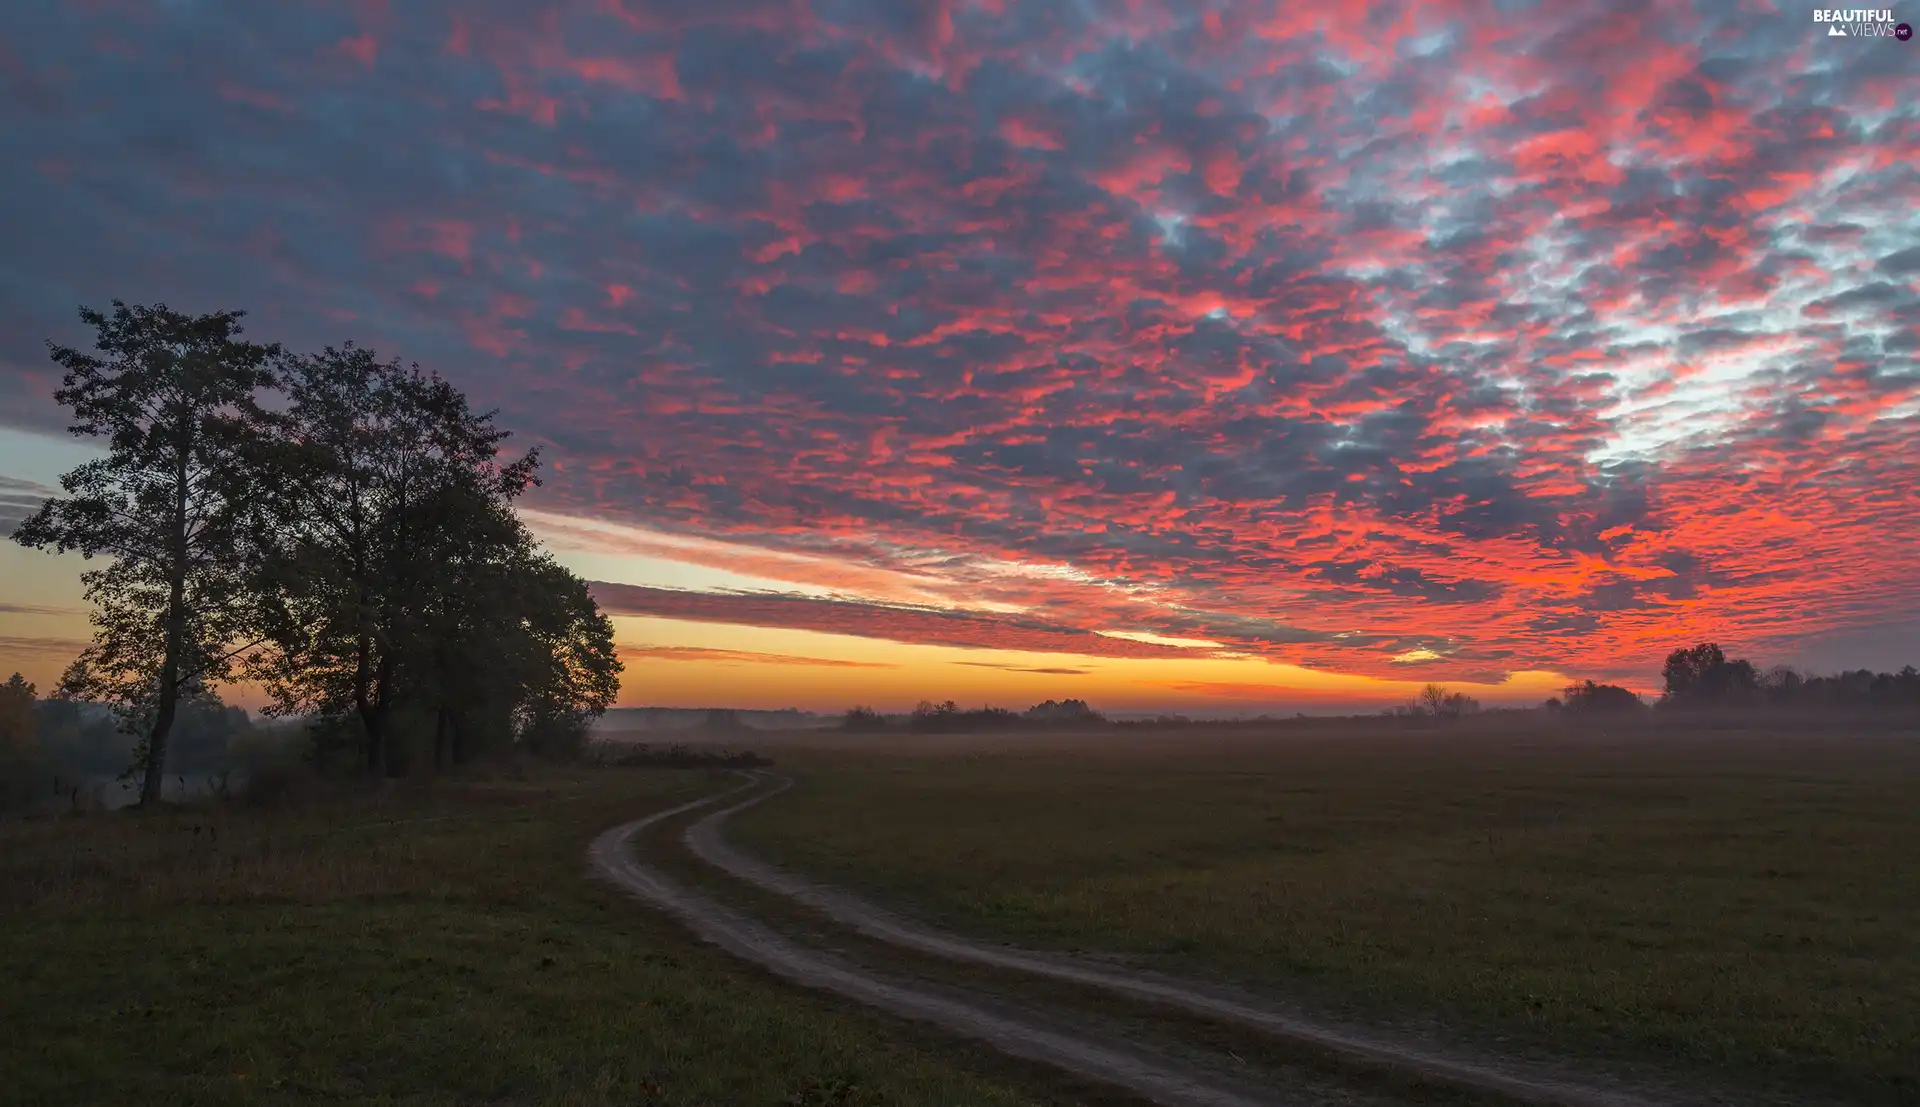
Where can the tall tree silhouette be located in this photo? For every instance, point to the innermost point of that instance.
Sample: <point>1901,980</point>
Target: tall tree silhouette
<point>378,474</point>
<point>173,395</point>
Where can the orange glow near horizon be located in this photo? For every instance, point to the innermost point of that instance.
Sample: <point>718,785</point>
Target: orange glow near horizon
<point>718,665</point>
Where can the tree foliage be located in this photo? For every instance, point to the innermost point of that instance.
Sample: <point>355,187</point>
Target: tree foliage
<point>351,545</point>
<point>1435,702</point>
<point>409,591</point>
<point>948,717</point>
<point>1064,711</point>
<point>1785,687</point>
<point>570,671</point>
<point>1702,676</point>
<point>1589,698</point>
<point>173,395</point>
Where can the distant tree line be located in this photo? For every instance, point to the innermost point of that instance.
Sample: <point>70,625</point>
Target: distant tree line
<point>49,748</point>
<point>1697,678</point>
<point>1436,703</point>
<point>949,717</point>
<point>1703,677</point>
<point>337,528</point>
<point>679,756</point>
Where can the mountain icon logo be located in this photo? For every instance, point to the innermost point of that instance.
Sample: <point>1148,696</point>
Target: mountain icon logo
<point>1835,32</point>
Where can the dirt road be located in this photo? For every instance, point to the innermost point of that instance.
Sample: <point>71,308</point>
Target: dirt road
<point>1016,1034</point>
<point>1524,1083</point>
<point>1148,1077</point>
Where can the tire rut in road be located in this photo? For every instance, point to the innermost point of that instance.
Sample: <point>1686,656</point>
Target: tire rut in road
<point>1136,1072</point>
<point>1515,1081</point>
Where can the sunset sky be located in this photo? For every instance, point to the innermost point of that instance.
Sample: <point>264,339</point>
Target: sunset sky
<point>1211,357</point>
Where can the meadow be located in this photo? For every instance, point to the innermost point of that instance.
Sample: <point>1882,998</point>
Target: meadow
<point>433,944</point>
<point>1732,909</point>
<point>1733,906</point>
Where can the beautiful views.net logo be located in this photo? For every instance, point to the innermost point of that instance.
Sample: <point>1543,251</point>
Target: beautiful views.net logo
<point>1861,23</point>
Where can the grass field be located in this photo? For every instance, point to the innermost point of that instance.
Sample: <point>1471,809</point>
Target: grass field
<point>426,946</point>
<point>1736,907</point>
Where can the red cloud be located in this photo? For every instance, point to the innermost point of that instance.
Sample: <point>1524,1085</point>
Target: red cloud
<point>1542,338</point>
<point>710,656</point>
<point>968,630</point>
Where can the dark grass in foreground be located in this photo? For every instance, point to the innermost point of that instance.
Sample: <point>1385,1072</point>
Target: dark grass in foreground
<point>1737,909</point>
<point>431,946</point>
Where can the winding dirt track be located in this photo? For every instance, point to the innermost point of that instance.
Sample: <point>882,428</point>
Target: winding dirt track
<point>1525,1083</point>
<point>1139,1073</point>
<point>1144,1076</point>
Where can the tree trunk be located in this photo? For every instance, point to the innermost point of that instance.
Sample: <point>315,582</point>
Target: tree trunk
<point>156,767</point>
<point>363,705</point>
<point>156,774</point>
<point>383,717</point>
<point>442,730</point>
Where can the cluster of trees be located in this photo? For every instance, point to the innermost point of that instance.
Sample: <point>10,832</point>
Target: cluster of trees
<point>49,747</point>
<point>1698,677</point>
<point>338,529</point>
<point>863,719</point>
<point>1703,677</point>
<point>1436,703</point>
<point>946,717</point>
<point>1588,699</point>
<point>1064,711</point>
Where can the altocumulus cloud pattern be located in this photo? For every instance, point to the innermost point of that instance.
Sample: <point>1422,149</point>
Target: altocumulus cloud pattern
<point>1435,339</point>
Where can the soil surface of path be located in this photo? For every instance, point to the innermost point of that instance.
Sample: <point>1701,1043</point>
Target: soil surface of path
<point>1136,1071</point>
<point>1524,1082</point>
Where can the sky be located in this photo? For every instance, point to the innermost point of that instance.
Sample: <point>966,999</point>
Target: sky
<point>1199,356</point>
